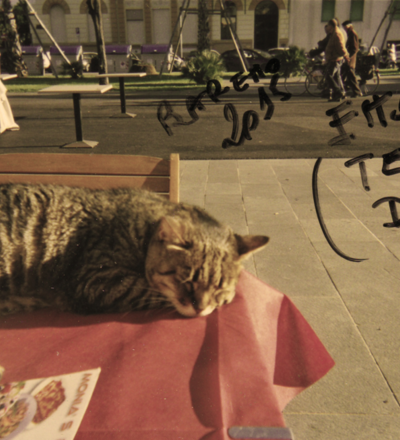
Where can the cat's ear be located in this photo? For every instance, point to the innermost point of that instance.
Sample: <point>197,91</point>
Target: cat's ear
<point>171,230</point>
<point>247,244</point>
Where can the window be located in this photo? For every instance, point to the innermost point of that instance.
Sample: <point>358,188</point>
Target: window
<point>161,26</point>
<point>328,10</point>
<point>189,33</point>
<point>357,10</point>
<point>57,23</point>
<point>230,12</point>
<point>135,26</point>
<point>90,27</point>
<point>134,15</point>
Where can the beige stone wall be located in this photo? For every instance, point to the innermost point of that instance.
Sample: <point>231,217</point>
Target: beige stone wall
<point>306,28</point>
<point>301,26</point>
<point>74,18</point>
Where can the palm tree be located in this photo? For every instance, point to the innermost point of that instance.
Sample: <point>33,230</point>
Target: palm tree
<point>203,36</point>
<point>94,9</point>
<point>10,41</point>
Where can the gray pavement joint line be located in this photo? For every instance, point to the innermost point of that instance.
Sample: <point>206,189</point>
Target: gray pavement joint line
<point>308,237</point>
<point>348,311</point>
<point>343,301</point>
<point>359,331</point>
<point>353,180</point>
<point>355,216</point>
<point>251,258</point>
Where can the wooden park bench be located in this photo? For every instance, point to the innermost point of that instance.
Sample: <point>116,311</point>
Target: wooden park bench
<point>99,171</point>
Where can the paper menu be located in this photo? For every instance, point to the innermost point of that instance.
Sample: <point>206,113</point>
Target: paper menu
<point>46,409</point>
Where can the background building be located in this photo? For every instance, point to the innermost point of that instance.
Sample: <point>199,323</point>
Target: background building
<point>261,24</point>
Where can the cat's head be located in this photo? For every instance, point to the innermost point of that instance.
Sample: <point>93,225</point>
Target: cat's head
<point>195,262</point>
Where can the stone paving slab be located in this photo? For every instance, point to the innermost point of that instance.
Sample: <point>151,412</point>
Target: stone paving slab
<point>353,307</point>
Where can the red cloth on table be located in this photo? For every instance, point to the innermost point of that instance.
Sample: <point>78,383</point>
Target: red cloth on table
<point>166,377</point>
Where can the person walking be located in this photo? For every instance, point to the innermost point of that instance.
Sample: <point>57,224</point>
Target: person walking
<point>335,53</point>
<point>321,45</point>
<point>348,70</point>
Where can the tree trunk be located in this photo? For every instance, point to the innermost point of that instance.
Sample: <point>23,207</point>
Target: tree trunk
<point>13,53</point>
<point>203,37</point>
<point>94,9</point>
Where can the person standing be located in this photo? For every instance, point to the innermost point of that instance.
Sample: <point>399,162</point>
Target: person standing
<point>349,68</point>
<point>392,56</point>
<point>335,53</point>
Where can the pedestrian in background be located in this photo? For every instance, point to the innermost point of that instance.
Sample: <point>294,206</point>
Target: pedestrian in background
<point>349,68</point>
<point>335,54</point>
<point>392,56</point>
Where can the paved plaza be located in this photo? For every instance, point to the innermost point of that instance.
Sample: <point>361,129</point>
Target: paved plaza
<point>353,307</point>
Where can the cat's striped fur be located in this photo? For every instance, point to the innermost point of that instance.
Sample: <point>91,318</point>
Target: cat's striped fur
<point>91,251</point>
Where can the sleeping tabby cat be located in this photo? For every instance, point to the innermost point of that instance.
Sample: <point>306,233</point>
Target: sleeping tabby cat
<point>91,251</point>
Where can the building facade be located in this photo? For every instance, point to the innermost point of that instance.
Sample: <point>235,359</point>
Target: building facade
<point>260,24</point>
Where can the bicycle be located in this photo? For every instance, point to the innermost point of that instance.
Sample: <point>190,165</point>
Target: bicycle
<point>295,82</point>
<point>366,71</point>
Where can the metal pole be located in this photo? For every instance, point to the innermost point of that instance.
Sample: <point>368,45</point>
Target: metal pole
<point>181,39</point>
<point>181,23</point>
<point>53,69</point>
<point>78,116</point>
<point>381,23</point>
<point>122,94</point>
<point>172,37</point>
<point>389,26</point>
<point>47,32</point>
<point>234,36</point>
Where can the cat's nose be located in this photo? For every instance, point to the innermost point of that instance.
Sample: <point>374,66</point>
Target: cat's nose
<point>197,307</point>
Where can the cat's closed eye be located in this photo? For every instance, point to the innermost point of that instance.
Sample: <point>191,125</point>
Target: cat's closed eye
<point>168,272</point>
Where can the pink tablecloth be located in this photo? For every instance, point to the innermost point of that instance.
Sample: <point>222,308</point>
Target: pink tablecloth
<point>165,377</point>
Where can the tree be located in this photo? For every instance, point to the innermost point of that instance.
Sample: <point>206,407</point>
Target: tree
<point>203,36</point>
<point>21,12</point>
<point>94,9</point>
<point>10,44</point>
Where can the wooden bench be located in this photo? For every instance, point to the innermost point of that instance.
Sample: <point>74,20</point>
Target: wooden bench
<point>98,171</point>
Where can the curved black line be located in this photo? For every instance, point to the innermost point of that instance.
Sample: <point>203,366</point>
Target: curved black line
<point>321,219</point>
<point>249,115</point>
<point>358,159</point>
<point>385,199</point>
<point>231,115</point>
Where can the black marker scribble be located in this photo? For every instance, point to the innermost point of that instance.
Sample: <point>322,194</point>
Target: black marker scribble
<point>237,82</point>
<point>338,122</point>
<point>250,123</point>
<point>393,210</point>
<point>388,159</point>
<point>273,66</point>
<point>360,160</point>
<point>265,99</point>
<point>256,73</point>
<point>367,107</point>
<point>275,91</point>
<point>393,115</point>
<point>218,89</point>
<point>193,103</point>
<point>169,114</point>
<point>231,115</point>
<point>320,217</point>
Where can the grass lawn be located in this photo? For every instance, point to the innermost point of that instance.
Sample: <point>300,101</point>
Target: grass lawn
<point>385,72</point>
<point>165,82</point>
